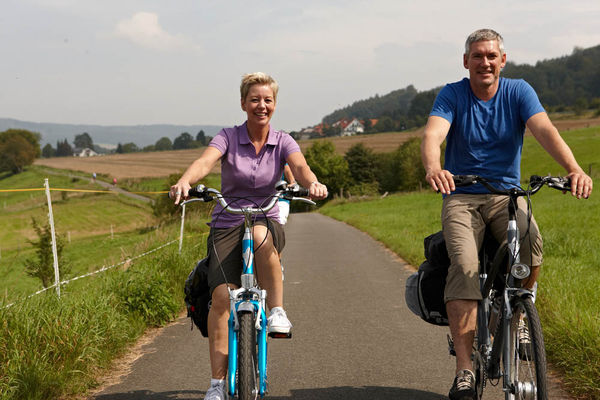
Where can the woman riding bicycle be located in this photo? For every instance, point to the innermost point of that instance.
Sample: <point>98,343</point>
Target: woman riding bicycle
<point>252,157</point>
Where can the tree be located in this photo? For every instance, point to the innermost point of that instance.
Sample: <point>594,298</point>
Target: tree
<point>63,149</point>
<point>331,168</point>
<point>42,266</point>
<point>130,148</point>
<point>16,151</point>
<point>119,149</point>
<point>83,141</point>
<point>48,151</point>
<point>361,163</point>
<point>201,137</point>
<point>385,124</point>
<point>164,143</point>
<point>183,141</point>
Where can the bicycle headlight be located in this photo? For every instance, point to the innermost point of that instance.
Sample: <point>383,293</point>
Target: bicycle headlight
<point>520,271</point>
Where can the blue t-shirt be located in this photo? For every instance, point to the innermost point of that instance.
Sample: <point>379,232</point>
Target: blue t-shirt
<point>486,137</point>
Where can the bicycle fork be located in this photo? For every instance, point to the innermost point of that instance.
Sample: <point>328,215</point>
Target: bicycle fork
<point>257,308</point>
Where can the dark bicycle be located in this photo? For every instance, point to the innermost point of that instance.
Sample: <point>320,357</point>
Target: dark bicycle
<point>509,341</point>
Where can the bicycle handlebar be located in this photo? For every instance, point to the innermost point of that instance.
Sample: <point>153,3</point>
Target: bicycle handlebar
<point>535,181</point>
<point>292,193</point>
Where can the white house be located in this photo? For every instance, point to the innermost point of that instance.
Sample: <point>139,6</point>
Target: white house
<point>87,152</point>
<point>352,128</point>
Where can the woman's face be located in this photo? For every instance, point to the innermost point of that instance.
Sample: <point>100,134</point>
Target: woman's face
<point>259,104</point>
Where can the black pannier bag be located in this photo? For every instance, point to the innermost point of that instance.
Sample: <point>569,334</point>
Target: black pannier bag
<point>197,296</point>
<point>425,288</point>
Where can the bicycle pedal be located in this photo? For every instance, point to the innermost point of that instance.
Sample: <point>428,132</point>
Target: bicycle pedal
<point>280,335</point>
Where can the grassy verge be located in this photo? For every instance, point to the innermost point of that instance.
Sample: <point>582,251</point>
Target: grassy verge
<point>50,348</point>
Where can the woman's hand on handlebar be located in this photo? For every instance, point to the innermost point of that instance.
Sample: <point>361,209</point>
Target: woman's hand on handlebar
<point>581,184</point>
<point>179,191</point>
<point>317,191</point>
<point>441,181</point>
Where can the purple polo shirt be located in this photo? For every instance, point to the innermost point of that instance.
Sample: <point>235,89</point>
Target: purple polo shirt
<point>247,174</point>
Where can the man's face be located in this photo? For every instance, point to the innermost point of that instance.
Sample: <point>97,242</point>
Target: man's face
<point>484,62</point>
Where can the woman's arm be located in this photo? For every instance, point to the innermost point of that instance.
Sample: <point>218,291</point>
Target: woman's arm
<point>305,176</point>
<point>195,172</point>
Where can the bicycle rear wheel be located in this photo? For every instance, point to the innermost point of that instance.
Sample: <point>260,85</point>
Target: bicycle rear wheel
<point>247,365</point>
<point>528,355</point>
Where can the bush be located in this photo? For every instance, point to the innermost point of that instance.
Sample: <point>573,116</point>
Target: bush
<point>147,294</point>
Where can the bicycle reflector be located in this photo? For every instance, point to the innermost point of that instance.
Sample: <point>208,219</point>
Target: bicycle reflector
<point>520,271</point>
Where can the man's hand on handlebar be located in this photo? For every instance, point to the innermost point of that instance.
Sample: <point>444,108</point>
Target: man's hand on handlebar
<point>441,181</point>
<point>581,184</point>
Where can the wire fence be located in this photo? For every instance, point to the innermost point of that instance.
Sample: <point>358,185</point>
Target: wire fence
<point>57,280</point>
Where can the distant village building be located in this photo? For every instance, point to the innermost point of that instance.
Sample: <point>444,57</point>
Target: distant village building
<point>87,152</point>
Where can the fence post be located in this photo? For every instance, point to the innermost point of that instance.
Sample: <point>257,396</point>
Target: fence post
<point>54,253</point>
<point>181,229</point>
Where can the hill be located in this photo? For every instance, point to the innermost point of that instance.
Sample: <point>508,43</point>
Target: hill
<point>141,135</point>
<point>571,82</point>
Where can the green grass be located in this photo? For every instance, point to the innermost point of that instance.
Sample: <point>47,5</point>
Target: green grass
<point>52,348</point>
<point>568,297</point>
<point>585,144</point>
<point>145,185</point>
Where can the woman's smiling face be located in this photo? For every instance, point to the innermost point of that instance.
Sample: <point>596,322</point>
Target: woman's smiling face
<point>259,104</point>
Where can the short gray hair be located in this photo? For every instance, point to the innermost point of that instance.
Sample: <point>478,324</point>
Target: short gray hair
<point>482,35</point>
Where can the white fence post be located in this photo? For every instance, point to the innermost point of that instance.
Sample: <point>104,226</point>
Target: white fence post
<point>181,229</point>
<point>54,253</point>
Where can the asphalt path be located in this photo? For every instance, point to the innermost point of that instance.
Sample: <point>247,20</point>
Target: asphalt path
<point>353,336</point>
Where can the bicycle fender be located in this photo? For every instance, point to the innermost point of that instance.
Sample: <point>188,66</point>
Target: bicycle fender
<point>245,306</point>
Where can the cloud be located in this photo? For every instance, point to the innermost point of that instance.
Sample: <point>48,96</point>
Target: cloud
<point>144,30</point>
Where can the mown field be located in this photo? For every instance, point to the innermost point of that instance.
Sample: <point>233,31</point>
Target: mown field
<point>568,296</point>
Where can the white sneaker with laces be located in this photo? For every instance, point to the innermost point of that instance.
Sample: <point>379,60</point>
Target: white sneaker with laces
<point>216,392</point>
<point>278,321</point>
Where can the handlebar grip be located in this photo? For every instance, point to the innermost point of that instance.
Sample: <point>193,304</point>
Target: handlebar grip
<point>464,180</point>
<point>200,192</point>
<point>301,192</point>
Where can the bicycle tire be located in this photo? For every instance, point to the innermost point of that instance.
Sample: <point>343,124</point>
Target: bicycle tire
<point>528,362</point>
<point>247,365</point>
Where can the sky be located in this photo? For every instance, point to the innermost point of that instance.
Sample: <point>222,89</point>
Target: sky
<point>139,62</point>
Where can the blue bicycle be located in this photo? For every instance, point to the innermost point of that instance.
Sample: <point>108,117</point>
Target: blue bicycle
<point>247,369</point>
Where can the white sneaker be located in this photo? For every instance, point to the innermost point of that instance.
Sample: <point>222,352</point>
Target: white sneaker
<point>278,321</point>
<point>216,392</point>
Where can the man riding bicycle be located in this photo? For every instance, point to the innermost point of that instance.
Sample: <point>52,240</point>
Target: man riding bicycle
<point>483,120</point>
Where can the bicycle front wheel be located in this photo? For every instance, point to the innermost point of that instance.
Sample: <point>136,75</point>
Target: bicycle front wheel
<point>528,355</point>
<point>247,365</point>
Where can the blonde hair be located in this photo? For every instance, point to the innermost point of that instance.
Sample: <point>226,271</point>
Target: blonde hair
<point>481,35</point>
<point>257,78</point>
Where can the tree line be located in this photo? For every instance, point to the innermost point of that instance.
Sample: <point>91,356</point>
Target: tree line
<point>361,171</point>
<point>84,141</point>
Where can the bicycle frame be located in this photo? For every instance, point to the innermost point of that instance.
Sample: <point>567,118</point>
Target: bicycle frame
<point>248,298</point>
<point>492,354</point>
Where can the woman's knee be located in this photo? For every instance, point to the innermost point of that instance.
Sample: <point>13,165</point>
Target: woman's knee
<point>263,239</point>
<point>220,299</point>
